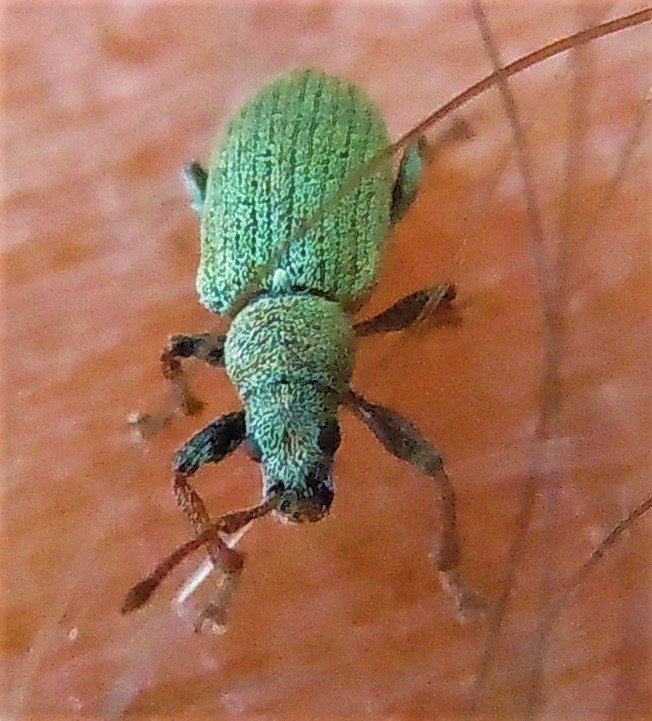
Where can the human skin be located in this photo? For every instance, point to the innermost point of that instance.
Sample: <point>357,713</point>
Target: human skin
<point>343,617</point>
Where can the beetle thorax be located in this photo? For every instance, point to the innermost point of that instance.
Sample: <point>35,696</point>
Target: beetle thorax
<point>294,339</point>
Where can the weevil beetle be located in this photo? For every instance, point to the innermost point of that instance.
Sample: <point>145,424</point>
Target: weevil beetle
<point>290,348</point>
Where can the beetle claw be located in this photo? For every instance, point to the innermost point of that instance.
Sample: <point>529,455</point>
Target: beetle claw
<point>190,405</point>
<point>213,618</point>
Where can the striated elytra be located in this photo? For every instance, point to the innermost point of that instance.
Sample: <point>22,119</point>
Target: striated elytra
<point>284,154</point>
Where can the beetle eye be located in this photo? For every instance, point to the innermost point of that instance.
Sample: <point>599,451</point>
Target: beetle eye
<point>329,438</point>
<point>252,449</point>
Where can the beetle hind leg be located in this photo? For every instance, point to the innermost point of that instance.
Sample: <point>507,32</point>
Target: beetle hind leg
<point>196,179</point>
<point>435,301</point>
<point>407,181</point>
<point>203,346</point>
<point>415,155</point>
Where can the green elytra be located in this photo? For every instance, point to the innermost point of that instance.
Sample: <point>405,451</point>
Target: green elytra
<point>290,348</point>
<point>284,154</point>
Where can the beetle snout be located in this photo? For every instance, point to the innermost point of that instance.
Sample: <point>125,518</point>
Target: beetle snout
<point>310,503</point>
<point>297,509</point>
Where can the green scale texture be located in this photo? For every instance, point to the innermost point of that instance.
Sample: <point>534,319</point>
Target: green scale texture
<point>290,357</point>
<point>285,154</point>
<point>298,339</point>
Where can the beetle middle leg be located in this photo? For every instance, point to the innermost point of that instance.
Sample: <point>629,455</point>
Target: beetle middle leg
<point>229,524</point>
<point>407,180</point>
<point>204,346</point>
<point>210,445</point>
<point>403,440</point>
<point>412,308</point>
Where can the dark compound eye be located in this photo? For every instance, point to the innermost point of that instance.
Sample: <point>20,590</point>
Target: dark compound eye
<point>329,438</point>
<point>252,449</point>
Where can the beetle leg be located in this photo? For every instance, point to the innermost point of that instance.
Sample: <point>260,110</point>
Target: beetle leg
<point>407,180</point>
<point>210,445</point>
<point>204,346</point>
<point>403,440</point>
<point>195,178</point>
<point>231,524</point>
<point>412,308</point>
<point>411,166</point>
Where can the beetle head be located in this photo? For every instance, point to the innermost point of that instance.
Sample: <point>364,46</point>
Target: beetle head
<point>311,501</point>
<point>296,456</point>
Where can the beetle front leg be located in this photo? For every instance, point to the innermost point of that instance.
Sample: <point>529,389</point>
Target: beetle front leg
<point>230,524</point>
<point>412,308</point>
<point>210,445</point>
<point>403,440</point>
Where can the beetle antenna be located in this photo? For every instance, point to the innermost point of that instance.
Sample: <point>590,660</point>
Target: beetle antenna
<point>228,524</point>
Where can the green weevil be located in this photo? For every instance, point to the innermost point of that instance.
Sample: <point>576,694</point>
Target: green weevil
<point>289,350</point>
<point>290,287</point>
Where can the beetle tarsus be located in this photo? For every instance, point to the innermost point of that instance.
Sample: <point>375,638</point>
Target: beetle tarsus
<point>214,617</point>
<point>203,346</point>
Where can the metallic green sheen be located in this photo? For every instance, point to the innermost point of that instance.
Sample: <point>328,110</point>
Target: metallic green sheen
<point>296,338</point>
<point>290,358</point>
<point>285,153</point>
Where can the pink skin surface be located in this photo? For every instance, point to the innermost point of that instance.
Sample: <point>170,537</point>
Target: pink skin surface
<point>343,618</point>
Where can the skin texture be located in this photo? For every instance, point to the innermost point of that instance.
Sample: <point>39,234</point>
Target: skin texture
<point>341,618</point>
